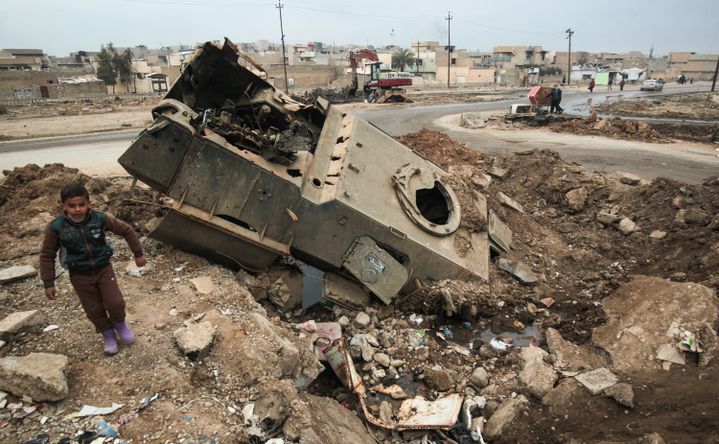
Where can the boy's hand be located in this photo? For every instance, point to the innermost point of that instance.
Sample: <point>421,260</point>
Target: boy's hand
<point>50,293</point>
<point>140,261</point>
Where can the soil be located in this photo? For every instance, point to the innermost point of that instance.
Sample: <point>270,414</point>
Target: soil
<point>704,106</point>
<point>619,128</point>
<point>578,260</point>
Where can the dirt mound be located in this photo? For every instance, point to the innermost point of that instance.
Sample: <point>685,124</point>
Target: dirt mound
<point>442,149</point>
<point>333,95</point>
<point>616,128</point>
<point>702,106</point>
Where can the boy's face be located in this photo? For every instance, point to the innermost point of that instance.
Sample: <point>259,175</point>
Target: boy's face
<point>76,207</point>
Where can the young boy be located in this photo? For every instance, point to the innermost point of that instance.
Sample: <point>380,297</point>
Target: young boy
<point>80,234</point>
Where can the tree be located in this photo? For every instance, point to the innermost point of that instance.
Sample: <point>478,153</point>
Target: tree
<point>105,69</point>
<point>401,58</point>
<point>583,58</point>
<point>122,64</point>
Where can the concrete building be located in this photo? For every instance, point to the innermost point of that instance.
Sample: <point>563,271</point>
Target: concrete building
<point>23,60</point>
<point>692,65</point>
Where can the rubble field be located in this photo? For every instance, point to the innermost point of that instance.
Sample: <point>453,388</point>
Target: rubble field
<point>697,106</point>
<point>99,105</point>
<point>600,324</point>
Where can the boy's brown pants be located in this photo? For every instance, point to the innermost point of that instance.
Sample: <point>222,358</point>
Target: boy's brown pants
<point>100,297</point>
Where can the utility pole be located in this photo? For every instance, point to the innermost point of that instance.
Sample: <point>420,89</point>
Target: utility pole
<point>569,55</point>
<point>449,45</point>
<point>416,61</point>
<point>716,71</point>
<point>284,56</point>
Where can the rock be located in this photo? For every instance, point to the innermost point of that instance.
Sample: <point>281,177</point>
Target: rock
<point>397,363</point>
<point>479,377</point>
<point>481,180</point>
<point>714,224</point>
<point>565,398</point>
<point>504,415</point>
<point>538,376</point>
<point>463,171</point>
<point>325,421</point>
<point>41,376</point>
<point>670,353</point>
<point>607,217</point>
<point>627,226</point>
<point>597,380</point>
<point>382,359</point>
<point>658,234</point>
<point>343,321</point>
<point>692,216</point>
<point>285,291</point>
<point>203,284</point>
<point>498,172</point>
<point>519,270</point>
<point>508,201</point>
<point>630,179</point>
<point>34,225</point>
<point>652,438</point>
<point>647,312</point>
<point>622,393</point>
<point>569,355</point>
<point>195,340</point>
<point>17,272</point>
<point>22,320</point>
<point>440,380</point>
<point>547,302</point>
<point>576,198</point>
<point>362,320</point>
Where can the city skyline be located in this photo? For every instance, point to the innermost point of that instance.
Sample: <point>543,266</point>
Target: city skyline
<point>157,23</point>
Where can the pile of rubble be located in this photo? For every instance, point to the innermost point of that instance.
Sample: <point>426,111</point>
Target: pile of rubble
<point>569,321</point>
<point>696,106</point>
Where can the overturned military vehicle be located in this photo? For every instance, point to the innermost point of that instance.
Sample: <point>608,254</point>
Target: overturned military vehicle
<point>255,175</point>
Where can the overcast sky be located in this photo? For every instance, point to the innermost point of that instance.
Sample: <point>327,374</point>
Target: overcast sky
<point>59,27</point>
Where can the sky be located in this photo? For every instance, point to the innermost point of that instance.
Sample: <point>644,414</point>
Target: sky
<point>59,27</point>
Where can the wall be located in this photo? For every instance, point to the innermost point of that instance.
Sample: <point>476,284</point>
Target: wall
<point>27,80</point>
<point>466,75</point>
<point>307,76</point>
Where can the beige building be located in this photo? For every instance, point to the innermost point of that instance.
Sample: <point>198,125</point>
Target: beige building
<point>23,60</point>
<point>692,65</point>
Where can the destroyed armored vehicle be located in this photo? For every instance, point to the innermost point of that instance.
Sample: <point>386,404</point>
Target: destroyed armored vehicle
<point>255,175</point>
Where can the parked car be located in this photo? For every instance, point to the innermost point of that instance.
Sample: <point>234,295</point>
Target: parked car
<point>652,85</point>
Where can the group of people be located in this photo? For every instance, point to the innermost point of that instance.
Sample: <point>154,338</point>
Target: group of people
<point>610,83</point>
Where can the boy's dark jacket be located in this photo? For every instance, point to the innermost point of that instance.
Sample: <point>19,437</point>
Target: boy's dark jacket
<point>83,244</point>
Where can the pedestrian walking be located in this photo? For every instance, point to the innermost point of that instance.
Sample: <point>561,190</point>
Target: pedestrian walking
<point>556,96</point>
<point>621,84</point>
<point>591,85</point>
<point>609,84</point>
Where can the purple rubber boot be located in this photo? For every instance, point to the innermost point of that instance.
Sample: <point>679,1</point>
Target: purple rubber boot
<point>126,335</point>
<point>110,342</point>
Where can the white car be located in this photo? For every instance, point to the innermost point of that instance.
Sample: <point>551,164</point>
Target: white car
<point>652,85</point>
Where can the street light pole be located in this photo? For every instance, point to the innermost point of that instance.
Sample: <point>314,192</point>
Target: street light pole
<point>449,45</point>
<point>284,56</point>
<point>569,55</point>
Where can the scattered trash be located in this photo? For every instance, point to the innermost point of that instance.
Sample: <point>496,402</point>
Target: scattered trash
<point>323,333</point>
<point>689,343</point>
<point>127,418</point>
<point>50,328</point>
<point>91,410</point>
<point>146,401</point>
<point>499,344</point>
<point>105,429</point>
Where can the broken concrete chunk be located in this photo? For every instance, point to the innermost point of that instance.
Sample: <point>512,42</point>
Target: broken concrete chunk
<point>565,398</point>
<point>658,234</point>
<point>569,355</point>
<point>472,120</point>
<point>41,376</point>
<point>500,235</point>
<point>627,226</point>
<point>576,198</point>
<point>286,288</point>
<point>519,270</point>
<point>203,284</point>
<point>21,320</point>
<point>479,377</point>
<point>362,320</point>
<point>195,340</point>
<point>630,179</point>
<point>597,380</point>
<point>498,172</point>
<point>504,415</point>
<point>670,353</point>
<point>511,203</point>
<point>538,376</point>
<point>16,273</point>
<point>622,393</point>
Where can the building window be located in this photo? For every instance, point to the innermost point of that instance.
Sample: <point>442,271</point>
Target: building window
<point>454,61</point>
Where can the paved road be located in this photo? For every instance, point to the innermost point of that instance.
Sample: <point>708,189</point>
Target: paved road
<point>681,161</point>
<point>98,153</point>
